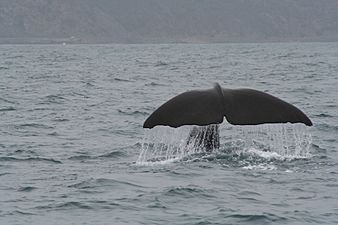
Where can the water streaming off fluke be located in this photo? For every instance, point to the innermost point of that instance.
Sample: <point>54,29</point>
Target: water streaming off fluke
<point>274,140</point>
<point>280,141</point>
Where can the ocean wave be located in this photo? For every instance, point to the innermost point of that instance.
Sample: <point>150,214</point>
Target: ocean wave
<point>55,99</point>
<point>60,120</point>
<point>33,125</point>
<point>72,205</point>
<point>161,63</point>
<point>121,80</point>
<point>7,109</point>
<point>7,101</point>
<point>27,189</point>
<point>54,134</point>
<point>154,84</point>
<point>101,182</point>
<point>3,174</point>
<point>130,112</point>
<point>188,192</point>
<point>156,205</point>
<point>15,57</point>
<point>112,154</point>
<point>249,193</point>
<point>257,218</point>
<point>64,206</point>
<point>327,127</point>
<point>29,159</point>
<point>324,115</point>
<point>81,157</point>
<point>19,212</point>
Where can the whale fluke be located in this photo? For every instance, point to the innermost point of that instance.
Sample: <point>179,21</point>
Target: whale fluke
<point>238,106</point>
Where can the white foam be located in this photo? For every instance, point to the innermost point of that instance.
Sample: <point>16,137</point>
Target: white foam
<point>260,167</point>
<point>275,155</point>
<point>159,162</point>
<point>263,154</point>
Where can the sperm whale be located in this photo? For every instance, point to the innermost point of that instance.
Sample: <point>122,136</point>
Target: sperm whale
<point>209,108</point>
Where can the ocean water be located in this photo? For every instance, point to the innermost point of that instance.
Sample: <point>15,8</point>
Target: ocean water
<point>73,150</point>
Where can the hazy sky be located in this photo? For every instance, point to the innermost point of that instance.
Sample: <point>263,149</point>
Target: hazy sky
<point>130,21</point>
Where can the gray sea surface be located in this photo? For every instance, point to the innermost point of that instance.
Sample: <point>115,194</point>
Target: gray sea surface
<point>71,136</point>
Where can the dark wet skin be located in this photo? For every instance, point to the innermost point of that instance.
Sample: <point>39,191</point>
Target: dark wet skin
<point>206,138</point>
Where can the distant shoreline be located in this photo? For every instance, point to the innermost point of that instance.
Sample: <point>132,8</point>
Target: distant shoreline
<point>60,41</point>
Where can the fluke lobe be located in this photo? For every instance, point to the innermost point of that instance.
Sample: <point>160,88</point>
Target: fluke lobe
<point>238,106</point>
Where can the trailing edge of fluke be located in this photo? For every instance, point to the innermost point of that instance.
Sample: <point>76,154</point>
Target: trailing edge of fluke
<point>238,106</point>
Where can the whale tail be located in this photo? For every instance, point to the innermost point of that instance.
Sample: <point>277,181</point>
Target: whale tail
<point>238,106</point>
